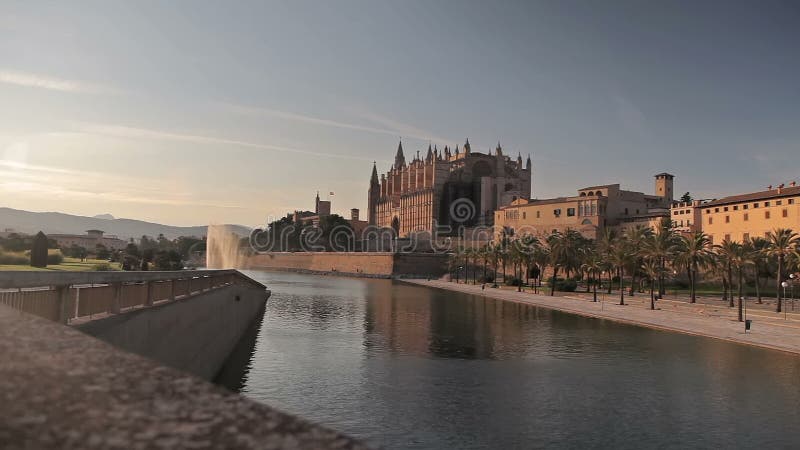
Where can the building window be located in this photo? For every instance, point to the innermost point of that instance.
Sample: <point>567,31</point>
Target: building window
<point>727,219</point>
<point>745,237</point>
<point>766,204</point>
<point>570,212</point>
<point>766,214</point>
<point>676,213</point>
<point>778,203</point>
<point>755,205</point>
<point>791,201</point>
<point>785,212</point>
<point>538,214</point>
<point>626,211</point>
<point>710,220</point>
<point>746,217</point>
<point>745,206</point>
<point>557,212</point>
<point>524,215</point>
<point>725,209</point>
<point>688,223</point>
<point>716,209</point>
<point>708,211</point>
<point>735,207</point>
<point>728,237</point>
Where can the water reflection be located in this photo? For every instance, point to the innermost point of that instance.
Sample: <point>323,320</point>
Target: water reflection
<point>410,367</point>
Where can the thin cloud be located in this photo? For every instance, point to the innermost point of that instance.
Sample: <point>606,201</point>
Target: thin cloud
<point>37,81</point>
<point>127,132</point>
<point>390,127</point>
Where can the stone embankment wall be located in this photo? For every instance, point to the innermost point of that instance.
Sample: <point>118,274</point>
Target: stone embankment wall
<point>379,265</point>
<point>195,334</point>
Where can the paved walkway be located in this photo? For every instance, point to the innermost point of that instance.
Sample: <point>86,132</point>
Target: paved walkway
<point>769,329</point>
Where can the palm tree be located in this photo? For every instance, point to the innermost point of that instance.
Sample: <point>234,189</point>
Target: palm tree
<point>662,247</point>
<point>741,256</point>
<point>652,269</point>
<point>693,254</point>
<point>636,237</point>
<point>593,265</point>
<point>725,253</point>
<point>782,241</point>
<point>759,247</point>
<point>620,257</point>
<point>604,247</point>
<point>556,244</point>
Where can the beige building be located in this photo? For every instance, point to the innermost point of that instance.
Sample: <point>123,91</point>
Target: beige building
<point>447,188</point>
<point>739,217</point>
<point>686,216</point>
<point>589,212</point>
<point>89,241</point>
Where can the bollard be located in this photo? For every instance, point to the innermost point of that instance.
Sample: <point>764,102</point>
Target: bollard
<point>747,325</point>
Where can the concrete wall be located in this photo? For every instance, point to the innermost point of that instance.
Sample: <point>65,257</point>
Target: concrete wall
<point>383,265</point>
<point>195,334</point>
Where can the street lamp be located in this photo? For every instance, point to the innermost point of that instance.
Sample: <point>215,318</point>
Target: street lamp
<point>784,284</point>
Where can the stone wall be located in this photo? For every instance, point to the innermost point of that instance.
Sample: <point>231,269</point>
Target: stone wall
<point>382,265</point>
<point>195,334</point>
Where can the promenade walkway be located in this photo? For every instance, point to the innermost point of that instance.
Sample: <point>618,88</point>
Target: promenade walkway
<point>769,329</point>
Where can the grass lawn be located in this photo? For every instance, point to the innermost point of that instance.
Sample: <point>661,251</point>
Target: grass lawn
<point>69,265</point>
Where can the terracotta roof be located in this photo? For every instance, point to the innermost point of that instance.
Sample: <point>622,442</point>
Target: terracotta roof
<point>754,196</point>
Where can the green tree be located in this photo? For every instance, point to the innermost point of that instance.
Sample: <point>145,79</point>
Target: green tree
<point>782,242</point>
<point>39,250</point>
<point>686,198</point>
<point>693,253</point>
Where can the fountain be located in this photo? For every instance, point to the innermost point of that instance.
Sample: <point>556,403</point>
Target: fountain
<point>222,248</point>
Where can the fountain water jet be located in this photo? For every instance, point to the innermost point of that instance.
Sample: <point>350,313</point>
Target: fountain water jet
<point>222,248</point>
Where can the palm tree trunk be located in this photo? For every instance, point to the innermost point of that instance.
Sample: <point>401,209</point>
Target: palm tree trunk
<point>594,289</point>
<point>553,284</point>
<point>740,294</point>
<point>730,285</point>
<point>758,286</point>
<point>652,294</point>
<point>621,286</point>
<point>692,277</point>
<point>610,282</point>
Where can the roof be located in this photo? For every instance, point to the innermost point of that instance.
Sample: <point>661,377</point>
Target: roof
<point>599,187</point>
<point>664,174</point>
<point>754,196</point>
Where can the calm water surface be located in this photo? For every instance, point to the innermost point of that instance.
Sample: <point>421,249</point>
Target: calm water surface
<point>402,366</point>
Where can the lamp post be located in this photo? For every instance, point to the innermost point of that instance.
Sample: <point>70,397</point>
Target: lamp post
<point>791,288</point>
<point>785,284</point>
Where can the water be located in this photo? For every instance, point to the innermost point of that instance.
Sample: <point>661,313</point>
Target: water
<point>402,366</point>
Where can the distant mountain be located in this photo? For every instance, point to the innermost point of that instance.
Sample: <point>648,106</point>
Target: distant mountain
<point>53,222</point>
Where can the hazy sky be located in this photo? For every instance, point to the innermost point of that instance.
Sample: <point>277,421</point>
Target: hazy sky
<point>194,112</point>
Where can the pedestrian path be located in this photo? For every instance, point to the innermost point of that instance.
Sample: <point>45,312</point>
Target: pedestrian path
<point>769,329</point>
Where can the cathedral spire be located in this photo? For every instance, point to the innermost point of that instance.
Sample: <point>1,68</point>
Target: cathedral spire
<point>399,159</point>
<point>467,148</point>
<point>519,160</point>
<point>499,150</point>
<point>374,177</point>
<point>528,163</point>
<point>429,156</point>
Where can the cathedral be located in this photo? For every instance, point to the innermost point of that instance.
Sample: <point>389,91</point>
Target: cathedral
<point>451,187</point>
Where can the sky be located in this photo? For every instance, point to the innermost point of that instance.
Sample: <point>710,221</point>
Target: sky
<point>196,112</point>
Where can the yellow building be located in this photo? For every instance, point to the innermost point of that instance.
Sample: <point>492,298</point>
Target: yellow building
<point>589,212</point>
<point>740,217</point>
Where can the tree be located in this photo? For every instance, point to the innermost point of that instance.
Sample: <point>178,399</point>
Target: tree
<point>759,247</point>
<point>637,239</point>
<point>168,260</point>
<point>652,270</point>
<point>782,242</point>
<point>593,265</point>
<point>556,244</point>
<point>620,257</point>
<point>692,254</point>
<point>686,198</point>
<point>725,254</point>
<point>39,250</point>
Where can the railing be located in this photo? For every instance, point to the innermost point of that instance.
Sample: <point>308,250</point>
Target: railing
<point>67,296</point>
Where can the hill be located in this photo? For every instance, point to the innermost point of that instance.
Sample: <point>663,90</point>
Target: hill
<point>54,222</point>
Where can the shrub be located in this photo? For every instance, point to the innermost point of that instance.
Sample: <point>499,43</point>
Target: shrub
<point>514,282</point>
<point>566,286</point>
<point>489,278</point>
<point>14,259</point>
<point>54,259</point>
